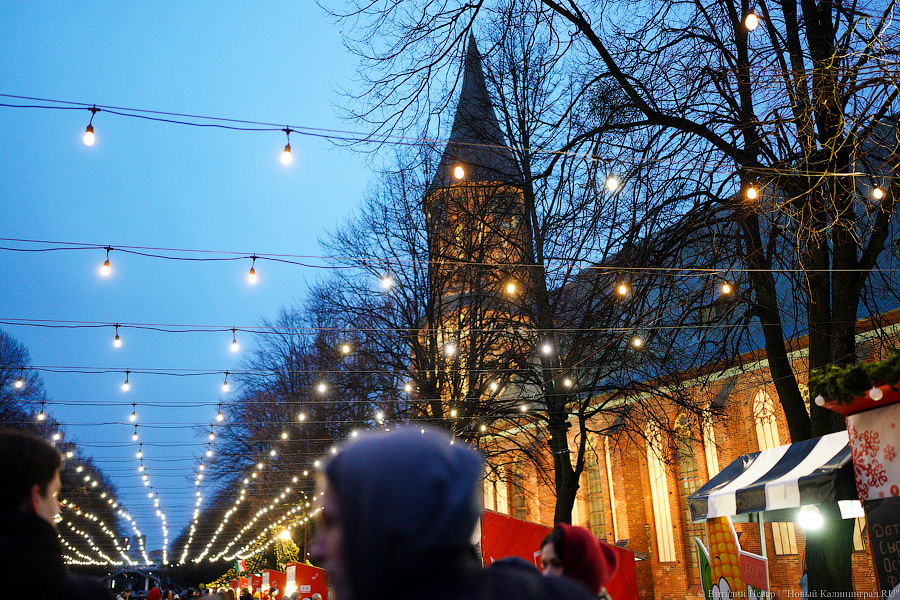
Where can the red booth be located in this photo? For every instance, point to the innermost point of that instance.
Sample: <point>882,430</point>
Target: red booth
<point>276,578</point>
<point>255,583</point>
<point>306,579</point>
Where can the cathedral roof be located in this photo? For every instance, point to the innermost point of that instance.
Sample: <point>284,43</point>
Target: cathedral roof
<point>476,140</point>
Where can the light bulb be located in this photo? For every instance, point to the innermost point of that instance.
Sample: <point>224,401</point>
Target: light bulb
<point>379,416</point>
<point>212,436</point>
<point>301,417</point>
<point>637,342</point>
<point>56,436</point>
<point>407,387</point>
<point>284,435</point>
<point>19,383</point>
<point>751,21</point>
<point>133,416</point>
<point>220,417</point>
<point>523,407</point>
<point>209,453</point>
<point>878,193</point>
<point>88,138</point>
<point>612,184</point>
<point>322,388</point>
<point>234,345</point>
<point>546,348</point>
<point>453,413</point>
<point>752,193</point>
<point>345,349</point>
<point>286,157</point>
<point>459,172</point>
<point>225,387</point>
<point>386,282</point>
<point>449,349</point>
<point>251,278</point>
<point>622,289</point>
<point>134,437</point>
<point>105,269</point>
<point>483,427</point>
<point>726,288</point>
<point>510,288</point>
<point>567,382</point>
<point>117,342</point>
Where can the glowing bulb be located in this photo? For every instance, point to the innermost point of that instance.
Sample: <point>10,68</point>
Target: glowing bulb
<point>212,436</point>
<point>453,413</point>
<point>286,157</point>
<point>379,416</point>
<point>449,349</point>
<point>546,348</point>
<point>567,382</point>
<point>726,288</point>
<point>19,383</point>
<point>301,417</point>
<point>523,407</point>
<point>209,452</point>
<point>134,437</point>
<point>876,394</point>
<point>622,289</point>
<point>234,345</point>
<point>322,388</point>
<point>225,387</point>
<point>407,387</point>
<point>251,278</point>
<point>752,193</point>
<point>483,427</point>
<point>386,282</point>
<point>510,288</point>
<point>612,184</point>
<point>637,342</point>
<point>751,22</point>
<point>809,517</point>
<point>126,386</point>
<point>88,138</point>
<point>105,269</point>
<point>133,416</point>
<point>878,193</point>
<point>284,435</point>
<point>140,454</point>
<point>56,436</point>
<point>220,417</point>
<point>117,342</point>
<point>459,172</point>
<point>284,535</point>
<point>345,349</point>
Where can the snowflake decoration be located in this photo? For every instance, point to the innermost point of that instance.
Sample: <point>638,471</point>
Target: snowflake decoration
<point>889,453</point>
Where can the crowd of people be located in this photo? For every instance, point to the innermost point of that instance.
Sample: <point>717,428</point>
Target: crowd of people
<point>211,594</point>
<point>398,512</point>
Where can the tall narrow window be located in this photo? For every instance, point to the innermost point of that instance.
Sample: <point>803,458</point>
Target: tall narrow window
<point>688,482</point>
<point>596,506</point>
<point>659,492</point>
<point>517,505</point>
<point>783,536</point>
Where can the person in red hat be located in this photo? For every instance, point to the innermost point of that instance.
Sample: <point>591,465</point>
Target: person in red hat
<point>574,552</point>
<point>154,594</point>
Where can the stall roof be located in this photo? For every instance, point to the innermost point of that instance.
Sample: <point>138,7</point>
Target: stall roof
<point>813,471</point>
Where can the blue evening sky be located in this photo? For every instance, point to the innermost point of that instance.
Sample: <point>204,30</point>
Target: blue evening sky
<point>153,184</point>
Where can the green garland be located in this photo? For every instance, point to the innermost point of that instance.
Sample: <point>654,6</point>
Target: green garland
<point>843,383</point>
<point>255,564</point>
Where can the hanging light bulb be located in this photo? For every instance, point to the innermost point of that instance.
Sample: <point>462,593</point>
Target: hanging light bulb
<point>345,349</point>
<point>117,341</point>
<point>286,157</point>
<point>567,382</point>
<point>20,382</point>
<point>511,288</point>
<point>284,435</point>
<point>133,416</point>
<point>225,388</point>
<point>637,342</point>
<point>622,288</point>
<point>105,269</point>
<point>301,417</point>
<point>56,436</point>
<point>251,277</point>
<point>386,282</point>
<point>612,184</point>
<point>208,451</point>
<point>726,288</point>
<point>407,387</point>
<point>140,452</point>
<point>134,436</point>
<point>126,386</point>
<point>212,436</point>
<point>234,344</point>
<point>453,413</point>
<point>877,193</point>
<point>546,348</point>
<point>379,416</point>
<point>219,416</point>
<point>459,172</point>
<point>752,193</point>
<point>494,386</point>
<point>88,137</point>
<point>751,21</point>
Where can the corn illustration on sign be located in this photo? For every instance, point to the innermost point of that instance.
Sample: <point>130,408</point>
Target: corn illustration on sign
<point>721,568</point>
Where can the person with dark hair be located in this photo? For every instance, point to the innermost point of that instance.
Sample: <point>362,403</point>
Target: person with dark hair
<point>398,512</point>
<point>574,552</point>
<point>29,547</point>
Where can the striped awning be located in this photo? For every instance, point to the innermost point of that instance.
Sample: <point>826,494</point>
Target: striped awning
<point>809,472</point>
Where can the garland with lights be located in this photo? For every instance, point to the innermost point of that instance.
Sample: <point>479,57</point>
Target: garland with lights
<point>253,564</point>
<point>841,384</point>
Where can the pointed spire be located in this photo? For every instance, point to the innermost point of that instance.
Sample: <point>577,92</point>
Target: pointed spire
<point>476,141</point>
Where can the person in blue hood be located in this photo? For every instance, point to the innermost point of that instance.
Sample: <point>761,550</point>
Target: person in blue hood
<point>399,510</point>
